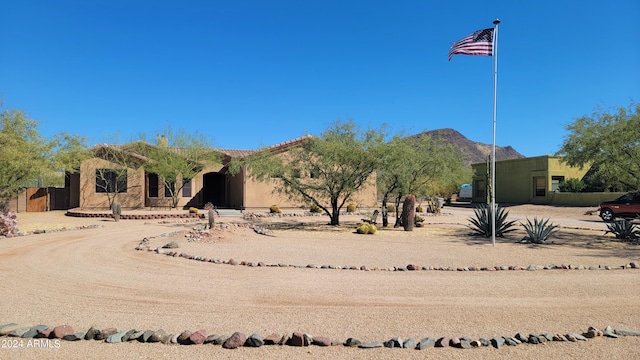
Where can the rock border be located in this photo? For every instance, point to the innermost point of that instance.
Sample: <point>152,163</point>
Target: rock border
<point>41,335</point>
<point>197,232</point>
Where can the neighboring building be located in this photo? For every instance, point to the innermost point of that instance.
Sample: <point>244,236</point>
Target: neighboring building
<point>533,180</point>
<point>213,184</point>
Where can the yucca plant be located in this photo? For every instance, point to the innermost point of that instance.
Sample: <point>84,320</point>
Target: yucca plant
<point>482,224</point>
<point>623,230</point>
<point>539,231</point>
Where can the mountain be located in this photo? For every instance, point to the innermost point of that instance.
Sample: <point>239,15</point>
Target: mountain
<point>474,152</point>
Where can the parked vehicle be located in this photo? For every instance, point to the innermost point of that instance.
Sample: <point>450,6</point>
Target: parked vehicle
<point>466,192</point>
<point>626,206</point>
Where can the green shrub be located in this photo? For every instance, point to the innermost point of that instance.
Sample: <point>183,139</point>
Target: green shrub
<point>391,208</point>
<point>193,210</point>
<point>315,209</point>
<point>274,209</point>
<point>351,208</point>
<point>624,230</point>
<point>571,185</point>
<point>539,231</point>
<point>419,209</point>
<point>482,224</point>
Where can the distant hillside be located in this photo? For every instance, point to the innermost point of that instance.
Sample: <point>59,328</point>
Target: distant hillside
<point>474,152</point>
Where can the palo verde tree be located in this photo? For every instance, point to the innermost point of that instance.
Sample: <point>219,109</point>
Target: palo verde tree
<point>610,143</point>
<point>25,155</point>
<point>113,180</point>
<point>177,159</point>
<point>325,171</point>
<point>417,165</point>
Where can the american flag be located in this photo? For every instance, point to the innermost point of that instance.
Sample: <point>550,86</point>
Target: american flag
<point>478,43</point>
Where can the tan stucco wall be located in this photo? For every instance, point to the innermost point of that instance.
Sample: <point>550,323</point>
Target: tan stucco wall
<point>262,195</point>
<point>90,199</point>
<point>515,178</point>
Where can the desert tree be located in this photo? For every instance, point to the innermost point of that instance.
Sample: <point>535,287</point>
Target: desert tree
<point>113,180</point>
<point>25,155</point>
<point>419,165</point>
<point>609,142</point>
<point>325,171</point>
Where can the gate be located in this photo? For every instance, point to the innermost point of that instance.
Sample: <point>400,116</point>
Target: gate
<point>36,199</point>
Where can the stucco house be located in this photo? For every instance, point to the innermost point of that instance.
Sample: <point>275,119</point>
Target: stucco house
<point>532,180</point>
<point>214,183</point>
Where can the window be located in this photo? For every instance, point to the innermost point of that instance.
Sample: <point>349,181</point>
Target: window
<point>539,186</point>
<point>111,181</point>
<point>555,182</point>
<point>169,188</point>
<point>186,188</point>
<point>153,185</point>
<point>479,188</point>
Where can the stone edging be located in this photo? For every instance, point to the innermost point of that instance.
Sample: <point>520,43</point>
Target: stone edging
<point>48,231</point>
<point>133,216</point>
<point>45,336</point>
<point>167,250</point>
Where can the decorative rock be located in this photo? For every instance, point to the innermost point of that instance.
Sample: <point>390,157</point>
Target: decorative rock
<point>532,267</point>
<point>254,340</point>
<point>198,337</point>
<point>157,336</point>
<point>410,343</point>
<point>443,342</point>
<point>476,343</point>
<point>497,342</point>
<point>183,338</point>
<point>7,328</point>
<point>608,332</point>
<point>44,333</point>
<point>547,336</point>
<point>626,332</point>
<point>60,331</point>
<point>571,337</point>
<point>297,339</point>
<point>273,339</point>
<point>484,342</point>
<point>19,332</point>
<point>352,342</point>
<point>426,343</point>
<point>533,339</point>
<point>511,341</point>
<point>559,337</point>
<point>522,338</point>
<point>634,265</point>
<point>321,341</point>
<point>171,245</point>
<point>235,341</point>
<point>591,333</point>
<point>454,342</point>
<point>221,339</point>
<point>371,345</point>
<point>170,339</point>
<point>74,337</point>
<point>34,331</point>
<point>91,333</point>
<point>117,337</point>
<point>388,344</point>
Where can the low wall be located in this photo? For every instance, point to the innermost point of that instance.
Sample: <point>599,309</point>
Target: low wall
<point>582,199</point>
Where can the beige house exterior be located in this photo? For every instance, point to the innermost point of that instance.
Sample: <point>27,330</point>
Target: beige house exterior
<point>213,184</point>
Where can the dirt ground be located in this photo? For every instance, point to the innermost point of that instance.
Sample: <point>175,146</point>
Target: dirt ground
<point>95,277</point>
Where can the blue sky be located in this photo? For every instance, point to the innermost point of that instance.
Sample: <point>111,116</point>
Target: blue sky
<point>255,73</point>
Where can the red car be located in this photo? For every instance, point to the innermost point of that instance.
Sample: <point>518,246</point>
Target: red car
<point>626,206</point>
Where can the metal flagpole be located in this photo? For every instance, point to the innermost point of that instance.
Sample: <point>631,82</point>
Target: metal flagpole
<point>493,147</point>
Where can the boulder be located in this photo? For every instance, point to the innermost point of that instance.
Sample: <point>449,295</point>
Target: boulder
<point>273,339</point>
<point>198,337</point>
<point>426,343</point>
<point>235,341</point>
<point>255,340</point>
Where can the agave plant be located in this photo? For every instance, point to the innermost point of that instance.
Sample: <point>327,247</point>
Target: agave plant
<point>539,231</point>
<point>482,224</point>
<point>623,230</point>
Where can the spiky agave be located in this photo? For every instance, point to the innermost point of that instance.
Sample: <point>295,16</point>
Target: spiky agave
<point>623,230</point>
<point>539,231</point>
<point>482,224</point>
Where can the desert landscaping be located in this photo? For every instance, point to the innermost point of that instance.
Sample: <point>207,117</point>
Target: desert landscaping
<point>276,276</point>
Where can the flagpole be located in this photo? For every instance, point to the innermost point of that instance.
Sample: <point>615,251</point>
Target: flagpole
<point>493,147</point>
